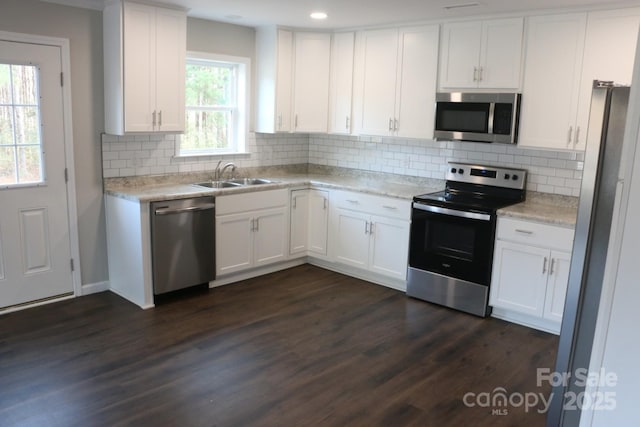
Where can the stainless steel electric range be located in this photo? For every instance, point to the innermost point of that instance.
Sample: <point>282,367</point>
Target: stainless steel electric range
<point>453,232</point>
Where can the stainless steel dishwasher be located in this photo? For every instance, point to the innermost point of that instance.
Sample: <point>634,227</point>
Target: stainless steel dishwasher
<point>182,243</point>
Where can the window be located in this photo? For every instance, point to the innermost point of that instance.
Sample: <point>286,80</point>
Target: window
<point>20,138</point>
<point>216,105</point>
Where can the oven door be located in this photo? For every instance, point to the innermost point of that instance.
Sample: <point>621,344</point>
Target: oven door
<point>452,242</point>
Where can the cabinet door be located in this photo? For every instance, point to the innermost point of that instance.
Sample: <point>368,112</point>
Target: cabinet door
<point>389,246</point>
<point>460,54</point>
<point>139,46</point>
<point>270,244</point>
<point>311,82</point>
<point>501,54</point>
<point>377,56</point>
<point>550,93</point>
<point>318,221</point>
<point>417,79</point>
<point>609,52</point>
<point>171,47</point>
<point>519,278</point>
<point>351,238</point>
<point>284,69</point>
<point>298,239</point>
<point>341,83</point>
<point>557,285</point>
<point>234,243</point>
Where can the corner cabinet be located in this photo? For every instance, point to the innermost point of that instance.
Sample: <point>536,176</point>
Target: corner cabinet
<point>341,83</point>
<point>582,47</point>
<point>530,273</point>
<point>144,59</point>
<point>309,222</point>
<point>370,233</point>
<point>293,80</point>
<point>395,76</point>
<point>251,230</point>
<point>482,54</point>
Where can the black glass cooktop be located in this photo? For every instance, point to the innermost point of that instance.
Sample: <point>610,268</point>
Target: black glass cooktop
<point>472,198</point>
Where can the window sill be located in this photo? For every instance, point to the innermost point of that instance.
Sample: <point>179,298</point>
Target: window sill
<point>212,155</point>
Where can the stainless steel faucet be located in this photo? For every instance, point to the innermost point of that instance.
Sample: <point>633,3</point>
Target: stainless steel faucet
<point>220,172</point>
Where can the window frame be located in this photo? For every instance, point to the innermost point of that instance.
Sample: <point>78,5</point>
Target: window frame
<point>240,120</point>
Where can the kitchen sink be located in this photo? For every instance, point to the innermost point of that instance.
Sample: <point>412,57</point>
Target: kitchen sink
<point>249,181</point>
<point>217,184</point>
<point>238,182</point>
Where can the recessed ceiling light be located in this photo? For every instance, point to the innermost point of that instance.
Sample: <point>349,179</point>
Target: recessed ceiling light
<point>318,15</point>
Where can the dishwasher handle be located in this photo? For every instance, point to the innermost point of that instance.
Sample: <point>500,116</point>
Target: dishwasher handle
<point>165,210</point>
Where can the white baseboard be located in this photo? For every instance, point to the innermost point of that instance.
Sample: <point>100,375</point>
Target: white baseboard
<point>397,284</point>
<point>94,288</point>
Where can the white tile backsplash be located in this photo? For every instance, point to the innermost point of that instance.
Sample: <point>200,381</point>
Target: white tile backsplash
<point>549,171</point>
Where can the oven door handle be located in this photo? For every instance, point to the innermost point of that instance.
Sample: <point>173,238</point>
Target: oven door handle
<point>452,212</point>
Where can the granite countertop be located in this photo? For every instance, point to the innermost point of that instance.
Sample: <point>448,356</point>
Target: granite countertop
<point>547,208</point>
<point>541,207</point>
<point>180,186</point>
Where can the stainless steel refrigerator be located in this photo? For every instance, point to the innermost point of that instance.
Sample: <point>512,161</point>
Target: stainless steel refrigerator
<point>595,210</point>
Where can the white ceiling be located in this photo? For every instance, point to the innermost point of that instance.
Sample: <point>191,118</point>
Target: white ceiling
<point>355,13</point>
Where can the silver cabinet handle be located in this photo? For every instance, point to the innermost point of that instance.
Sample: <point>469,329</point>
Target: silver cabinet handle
<point>390,124</point>
<point>519,230</point>
<point>577,137</point>
<point>154,118</point>
<point>366,227</point>
<point>160,119</point>
<point>395,124</point>
<point>475,74</point>
<point>355,202</point>
<point>257,224</point>
<point>371,228</point>
<point>253,225</point>
<point>295,124</point>
<point>324,201</point>
<point>346,125</point>
<point>544,266</point>
<point>480,72</point>
<point>393,208</point>
<point>569,135</point>
<point>295,202</point>
<point>553,261</point>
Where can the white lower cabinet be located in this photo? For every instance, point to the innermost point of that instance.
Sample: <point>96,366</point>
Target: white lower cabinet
<point>309,222</point>
<point>370,233</point>
<point>530,273</point>
<point>251,230</point>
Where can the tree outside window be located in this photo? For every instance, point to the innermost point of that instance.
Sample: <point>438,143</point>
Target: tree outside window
<point>215,107</point>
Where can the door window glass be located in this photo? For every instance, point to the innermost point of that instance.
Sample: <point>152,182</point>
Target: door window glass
<point>20,136</point>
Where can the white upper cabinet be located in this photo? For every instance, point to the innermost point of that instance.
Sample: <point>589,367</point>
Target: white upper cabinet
<point>551,85</point>
<point>144,61</point>
<point>482,54</point>
<point>341,83</point>
<point>582,48</point>
<point>609,52</point>
<point>274,55</point>
<point>312,53</point>
<point>395,76</point>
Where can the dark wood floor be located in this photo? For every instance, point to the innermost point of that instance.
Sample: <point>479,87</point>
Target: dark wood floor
<point>302,347</point>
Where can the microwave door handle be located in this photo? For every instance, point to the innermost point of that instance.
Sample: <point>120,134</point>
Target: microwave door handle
<point>492,112</point>
<point>452,212</point>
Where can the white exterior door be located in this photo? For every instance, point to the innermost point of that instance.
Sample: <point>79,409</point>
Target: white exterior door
<point>35,245</point>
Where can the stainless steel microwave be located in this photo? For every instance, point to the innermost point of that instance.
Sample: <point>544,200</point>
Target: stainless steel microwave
<point>480,117</point>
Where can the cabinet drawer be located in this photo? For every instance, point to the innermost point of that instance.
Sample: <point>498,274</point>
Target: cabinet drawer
<point>535,234</point>
<point>237,203</point>
<point>374,205</point>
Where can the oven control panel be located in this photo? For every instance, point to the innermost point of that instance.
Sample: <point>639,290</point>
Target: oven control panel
<point>487,175</point>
